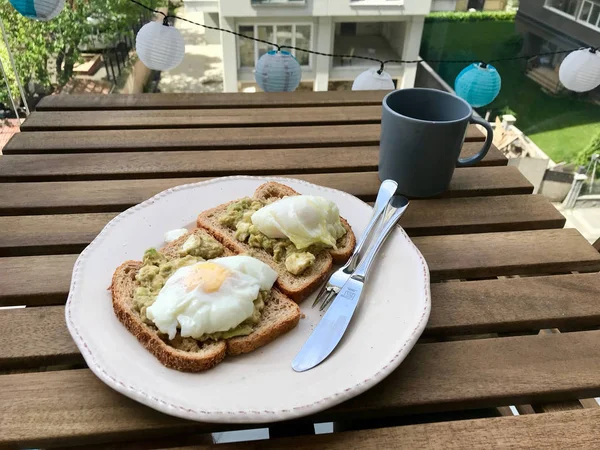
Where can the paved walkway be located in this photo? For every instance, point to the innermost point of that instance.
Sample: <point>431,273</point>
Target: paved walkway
<point>585,220</point>
<point>8,128</point>
<point>202,66</point>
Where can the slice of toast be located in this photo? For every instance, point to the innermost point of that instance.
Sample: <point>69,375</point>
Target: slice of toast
<point>297,287</point>
<point>279,315</point>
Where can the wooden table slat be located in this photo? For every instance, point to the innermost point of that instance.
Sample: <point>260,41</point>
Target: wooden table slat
<point>199,118</point>
<point>572,430</point>
<point>473,307</point>
<point>516,253</point>
<point>208,100</point>
<point>515,304</point>
<point>44,280</point>
<point>70,233</point>
<point>112,195</point>
<point>74,407</point>
<point>90,141</point>
<point>36,280</point>
<point>103,166</point>
<point>207,118</point>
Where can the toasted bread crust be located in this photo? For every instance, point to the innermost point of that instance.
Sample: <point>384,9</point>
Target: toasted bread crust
<point>279,316</point>
<point>122,287</point>
<point>268,331</point>
<point>296,287</point>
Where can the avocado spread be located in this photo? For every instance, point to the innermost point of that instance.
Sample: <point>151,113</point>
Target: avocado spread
<point>158,267</point>
<point>238,217</point>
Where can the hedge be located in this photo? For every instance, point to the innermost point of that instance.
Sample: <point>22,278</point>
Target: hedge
<point>478,16</point>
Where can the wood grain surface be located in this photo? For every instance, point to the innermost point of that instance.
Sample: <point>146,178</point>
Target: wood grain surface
<point>449,257</point>
<point>208,118</point>
<point>43,338</point>
<point>474,307</point>
<point>90,141</point>
<point>199,118</point>
<point>80,160</point>
<point>70,233</point>
<point>515,304</point>
<point>74,407</point>
<point>572,430</point>
<point>35,280</point>
<point>159,164</point>
<point>207,100</point>
<point>517,253</point>
<point>116,195</point>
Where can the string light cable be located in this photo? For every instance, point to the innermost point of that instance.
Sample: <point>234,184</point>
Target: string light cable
<point>367,58</point>
<point>161,47</point>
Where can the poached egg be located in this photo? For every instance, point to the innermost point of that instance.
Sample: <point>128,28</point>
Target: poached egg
<point>210,296</point>
<point>303,219</point>
<point>173,235</point>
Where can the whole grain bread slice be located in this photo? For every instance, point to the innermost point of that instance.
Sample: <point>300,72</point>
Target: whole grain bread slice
<point>279,315</point>
<point>297,287</point>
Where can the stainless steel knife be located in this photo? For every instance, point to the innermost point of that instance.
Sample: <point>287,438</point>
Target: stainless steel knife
<point>334,323</point>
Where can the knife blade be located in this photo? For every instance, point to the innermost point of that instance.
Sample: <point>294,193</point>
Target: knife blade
<point>328,333</point>
<point>330,329</point>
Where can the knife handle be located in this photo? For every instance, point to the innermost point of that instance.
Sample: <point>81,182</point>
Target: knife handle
<point>394,211</point>
<point>386,191</point>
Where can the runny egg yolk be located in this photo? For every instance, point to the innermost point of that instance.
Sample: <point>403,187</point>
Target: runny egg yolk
<point>208,276</point>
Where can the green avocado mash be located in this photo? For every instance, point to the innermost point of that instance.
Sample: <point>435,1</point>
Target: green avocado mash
<point>158,267</point>
<point>238,217</point>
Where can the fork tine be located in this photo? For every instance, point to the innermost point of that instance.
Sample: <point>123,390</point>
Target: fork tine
<point>321,295</point>
<point>330,296</point>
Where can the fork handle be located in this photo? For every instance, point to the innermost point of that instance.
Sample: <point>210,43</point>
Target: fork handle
<point>386,191</point>
<point>396,209</point>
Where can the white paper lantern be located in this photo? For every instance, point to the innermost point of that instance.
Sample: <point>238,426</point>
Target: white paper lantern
<point>370,80</point>
<point>39,9</point>
<point>160,46</point>
<point>580,70</point>
<point>278,71</point>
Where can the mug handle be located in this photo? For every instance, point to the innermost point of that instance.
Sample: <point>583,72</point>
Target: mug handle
<point>464,162</point>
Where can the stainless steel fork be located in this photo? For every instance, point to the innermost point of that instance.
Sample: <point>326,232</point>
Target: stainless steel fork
<point>339,277</point>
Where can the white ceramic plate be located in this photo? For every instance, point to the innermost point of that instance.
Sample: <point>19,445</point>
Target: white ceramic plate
<point>260,386</point>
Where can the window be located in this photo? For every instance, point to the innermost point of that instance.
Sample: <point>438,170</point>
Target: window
<point>291,35</point>
<point>246,46</point>
<point>566,6</point>
<point>590,13</point>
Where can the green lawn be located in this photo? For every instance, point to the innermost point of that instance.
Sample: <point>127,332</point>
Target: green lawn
<point>561,126</point>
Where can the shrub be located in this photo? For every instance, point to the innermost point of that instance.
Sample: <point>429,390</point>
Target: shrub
<point>478,16</point>
<point>584,156</point>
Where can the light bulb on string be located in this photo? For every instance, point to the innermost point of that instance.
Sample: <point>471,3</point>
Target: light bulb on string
<point>160,46</point>
<point>580,70</point>
<point>278,71</point>
<point>39,9</point>
<point>373,80</point>
<point>478,83</point>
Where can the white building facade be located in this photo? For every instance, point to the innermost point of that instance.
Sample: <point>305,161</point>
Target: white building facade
<point>383,29</point>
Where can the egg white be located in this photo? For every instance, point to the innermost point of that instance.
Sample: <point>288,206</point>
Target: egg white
<point>196,312</point>
<point>303,219</point>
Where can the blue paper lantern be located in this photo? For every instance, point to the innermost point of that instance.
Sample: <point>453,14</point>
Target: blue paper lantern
<point>39,9</point>
<point>278,71</point>
<point>478,84</point>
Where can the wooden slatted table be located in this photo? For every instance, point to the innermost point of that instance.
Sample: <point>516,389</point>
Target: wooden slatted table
<point>502,266</point>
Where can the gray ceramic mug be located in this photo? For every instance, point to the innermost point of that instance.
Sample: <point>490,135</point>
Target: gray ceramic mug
<point>422,133</point>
